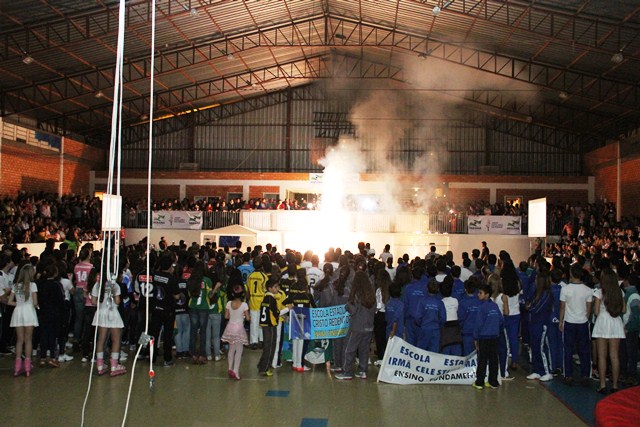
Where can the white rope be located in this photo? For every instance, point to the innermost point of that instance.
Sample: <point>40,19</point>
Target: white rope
<point>148,248</point>
<point>116,127</point>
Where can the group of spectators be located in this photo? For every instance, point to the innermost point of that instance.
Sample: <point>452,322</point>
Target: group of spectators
<point>38,217</point>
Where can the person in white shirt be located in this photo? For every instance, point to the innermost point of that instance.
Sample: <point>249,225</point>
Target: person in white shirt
<point>314,274</point>
<point>575,310</point>
<point>386,253</point>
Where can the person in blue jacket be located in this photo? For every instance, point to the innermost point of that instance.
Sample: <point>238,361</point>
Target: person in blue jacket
<point>394,313</point>
<point>489,323</point>
<point>540,309</point>
<point>467,310</point>
<point>458,285</point>
<point>411,298</point>
<point>431,317</point>
<point>553,332</point>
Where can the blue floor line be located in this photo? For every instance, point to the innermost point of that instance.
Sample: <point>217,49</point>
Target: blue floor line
<point>277,393</point>
<point>314,422</point>
<point>580,400</point>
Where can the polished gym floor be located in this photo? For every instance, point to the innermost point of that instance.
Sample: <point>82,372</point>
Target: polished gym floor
<point>190,395</point>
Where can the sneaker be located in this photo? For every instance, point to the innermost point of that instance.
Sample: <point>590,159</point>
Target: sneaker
<point>168,363</point>
<point>305,368</point>
<point>488,384</point>
<point>378,363</point>
<point>343,377</point>
<point>218,358</point>
<point>267,373</point>
<point>65,358</point>
<point>337,370</point>
<point>123,356</point>
<point>209,358</point>
<point>84,359</point>
<point>361,375</point>
<point>508,378</point>
<point>533,376</point>
<point>132,347</point>
<point>546,377</point>
<point>477,386</point>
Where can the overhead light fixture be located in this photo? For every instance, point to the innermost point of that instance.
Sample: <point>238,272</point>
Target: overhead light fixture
<point>230,56</point>
<point>27,59</point>
<point>144,117</point>
<point>617,57</point>
<point>563,95</point>
<point>436,10</point>
<point>193,11</point>
<point>99,94</point>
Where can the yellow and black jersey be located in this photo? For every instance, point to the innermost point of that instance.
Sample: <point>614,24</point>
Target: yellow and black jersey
<point>299,297</point>
<point>257,288</point>
<point>269,312</point>
<point>280,297</point>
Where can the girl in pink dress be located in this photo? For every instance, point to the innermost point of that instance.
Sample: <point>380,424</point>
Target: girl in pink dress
<point>237,311</point>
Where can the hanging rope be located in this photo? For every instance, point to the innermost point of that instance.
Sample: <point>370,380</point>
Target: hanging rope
<point>145,335</point>
<point>114,147</point>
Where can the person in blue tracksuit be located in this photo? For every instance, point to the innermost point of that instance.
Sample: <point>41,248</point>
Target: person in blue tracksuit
<point>431,317</point>
<point>527,293</point>
<point>553,332</point>
<point>411,298</point>
<point>458,285</point>
<point>489,324</point>
<point>394,313</point>
<point>540,309</point>
<point>467,310</point>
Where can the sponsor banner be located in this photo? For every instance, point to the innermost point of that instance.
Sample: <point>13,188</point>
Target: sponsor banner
<point>493,224</point>
<point>177,220</point>
<point>406,364</point>
<point>318,323</point>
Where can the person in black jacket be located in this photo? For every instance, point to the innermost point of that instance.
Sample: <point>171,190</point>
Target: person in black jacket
<point>51,300</point>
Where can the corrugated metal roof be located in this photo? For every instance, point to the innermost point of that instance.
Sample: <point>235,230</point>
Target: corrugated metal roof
<point>581,55</point>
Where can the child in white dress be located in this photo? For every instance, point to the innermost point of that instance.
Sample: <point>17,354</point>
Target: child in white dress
<point>24,296</point>
<point>108,320</point>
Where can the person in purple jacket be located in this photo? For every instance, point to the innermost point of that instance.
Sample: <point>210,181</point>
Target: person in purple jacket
<point>431,317</point>
<point>489,323</point>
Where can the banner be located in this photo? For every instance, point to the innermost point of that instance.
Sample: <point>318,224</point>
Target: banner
<point>318,323</point>
<point>177,220</point>
<point>406,364</point>
<point>493,224</point>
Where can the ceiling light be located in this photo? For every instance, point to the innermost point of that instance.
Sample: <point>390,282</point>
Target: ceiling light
<point>144,117</point>
<point>563,95</point>
<point>27,59</point>
<point>617,57</point>
<point>436,10</point>
<point>230,56</point>
<point>193,12</point>
<point>99,94</point>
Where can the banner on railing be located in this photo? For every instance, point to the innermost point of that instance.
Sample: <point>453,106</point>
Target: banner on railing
<point>493,224</point>
<point>181,220</point>
<point>406,364</point>
<point>319,323</point>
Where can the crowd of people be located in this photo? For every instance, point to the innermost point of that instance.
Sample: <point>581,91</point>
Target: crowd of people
<point>206,304</point>
<point>38,217</point>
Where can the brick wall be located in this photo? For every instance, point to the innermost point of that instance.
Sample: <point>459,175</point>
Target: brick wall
<point>630,185</point>
<point>158,192</point>
<point>29,168</point>
<point>212,190</point>
<point>259,190</point>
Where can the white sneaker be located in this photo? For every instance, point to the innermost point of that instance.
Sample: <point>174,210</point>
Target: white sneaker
<point>61,359</point>
<point>533,376</point>
<point>378,363</point>
<point>218,358</point>
<point>209,358</point>
<point>65,358</point>
<point>546,377</point>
